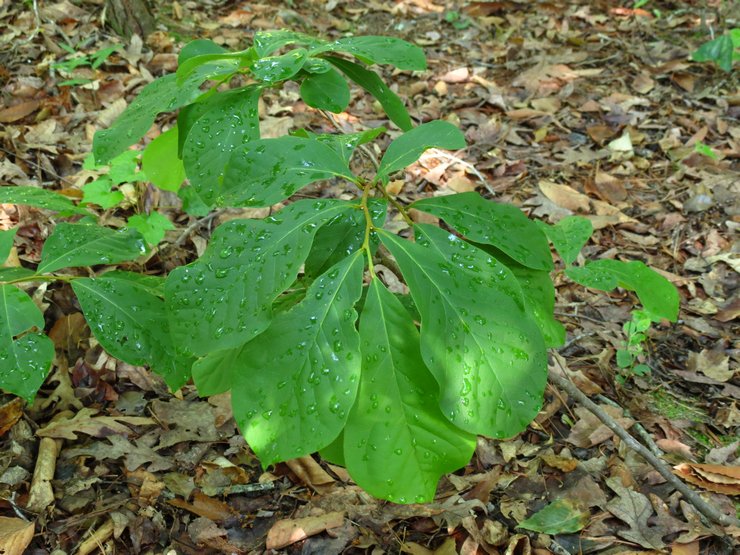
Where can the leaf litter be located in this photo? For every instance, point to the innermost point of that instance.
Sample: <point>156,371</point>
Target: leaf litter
<point>568,108</point>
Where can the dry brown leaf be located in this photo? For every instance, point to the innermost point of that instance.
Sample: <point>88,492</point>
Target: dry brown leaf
<point>310,473</point>
<point>289,531</point>
<point>711,477</point>
<point>18,111</point>
<point>712,363</point>
<point>566,464</point>
<point>97,426</point>
<point>10,413</point>
<point>15,535</point>
<point>205,506</point>
<point>564,196</point>
<point>634,509</point>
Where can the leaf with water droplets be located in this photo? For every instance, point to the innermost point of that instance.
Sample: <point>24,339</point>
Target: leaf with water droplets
<point>229,120</point>
<point>24,360</point>
<point>477,338</point>
<point>396,423</point>
<point>160,162</point>
<point>344,144</point>
<point>130,322</point>
<point>656,293</point>
<point>295,383</point>
<point>568,236</point>
<point>38,198</point>
<point>71,245</point>
<point>407,148</point>
<point>278,68</point>
<point>223,299</point>
<point>6,243</point>
<point>379,50</point>
<point>198,47</point>
<point>267,42</point>
<point>502,225</point>
<point>213,65</point>
<point>264,172</point>
<point>372,83</point>
<point>326,91</point>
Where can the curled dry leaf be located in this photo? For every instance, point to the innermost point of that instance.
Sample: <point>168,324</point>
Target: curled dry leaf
<point>15,535</point>
<point>289,531</point>
<point>711,477</point>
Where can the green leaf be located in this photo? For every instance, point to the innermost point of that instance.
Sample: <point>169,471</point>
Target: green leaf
<point>407,148</point>
<point>295,383</point>
<point>6,243</point>
<point>12,274</point>
<point>213,374</point>
<point>373,84</point>
<point>568,236</point>
<point>100,192</point>
<point>326,91</point>
<point>223,299</point>
<point>344,144</point>
<point>396,424</point>
<point>343,236</point>
<point>213,66</point>
<point>152,226</point>
<point>192,203</point>
<point>198,47</point>
<point>124,168</point>
<point>230,121</point>
<point>316,65</point>
<point>72,245</point>
<point>380,50</point>
<point>559,517</point>
<point>502,225</point>
<point>161,95</point>
<point>477,337</point>
<point>278,68</point>
<point>160,162</point>
<point>267,42</point>
<point>130,322</point>
<point>264,172</point>
<point>656,293</point>
<point>38,198</point>
<point>719,51</point>
<point>24,360</point>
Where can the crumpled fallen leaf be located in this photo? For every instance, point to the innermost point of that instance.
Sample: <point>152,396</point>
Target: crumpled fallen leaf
<point>10,413</point>
<point>634,509</point>
<point>97,426</point>
<point>711,477</point>
<point>15,535</point>
<point>712,363</point>
<point>288,531</point>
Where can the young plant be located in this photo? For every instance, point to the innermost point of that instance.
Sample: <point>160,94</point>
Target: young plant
<point>628,358</point>
<point>723,51</point>
<point>287,312</point>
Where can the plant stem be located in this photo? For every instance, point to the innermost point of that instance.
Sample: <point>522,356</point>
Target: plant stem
<point>369,226</point>
<point>37,277</point>
<point>397,205</point>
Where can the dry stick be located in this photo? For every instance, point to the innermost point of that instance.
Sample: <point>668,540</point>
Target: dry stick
<point>641,431</point>
<point>707,510</point>
<point>195,225</point>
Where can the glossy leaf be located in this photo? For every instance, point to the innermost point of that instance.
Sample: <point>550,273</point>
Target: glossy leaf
<point>130,322</point>
<point>11,274</point>
<point>568,236</point>
<point>326,91</point>
<point>198,47</point>
<point>407,148</point>
<point>344,144</point>
<point>25,360</point>
<point>160,162</point>
<point>267,42</point>
<point>396,424</point>
<point>278,68</point>
<point>213,66</point>
<point>6,243</point>
<point>230,121</point>
<point>502,225</point>
<point>214,373</point>
<point>71,245</point>
<point>38,198</point>
<point>223,299</point>
<point>477,338</point>
<point>559,517</point>
<point>372,83</point>
<point>656,293</point>
<point>264,172</point>
<point>380,50</point>
<point>295,383</point>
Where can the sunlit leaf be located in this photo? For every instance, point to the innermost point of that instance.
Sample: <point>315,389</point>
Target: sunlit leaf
<point>272,69</point>
<point>160,162</point>
<point>379,50</point>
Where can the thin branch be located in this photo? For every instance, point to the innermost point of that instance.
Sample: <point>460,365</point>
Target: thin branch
<point>641,431</point>
<point>709,511</point>
<point>195,225</point>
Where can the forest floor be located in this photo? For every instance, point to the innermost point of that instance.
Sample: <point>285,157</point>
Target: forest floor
<point>590,108</point>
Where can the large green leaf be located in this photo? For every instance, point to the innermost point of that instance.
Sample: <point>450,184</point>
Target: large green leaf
<point>407,148</point>
<point>559,517</point>
<point>396,424</point>
<point>24,360</point>
<point>656,293</point>
<point>267,42</point>
<point>223,299</point>
<point>294,384</point>
<point>379,50</point>
<point>214,65</point>
<point>72,245</point>
<point>198,47</point>
<point>130,322</point>
<point>326,91</point>
<point>477,338</point>
<point>11,274</point>
<point>6,243</point>
<point>372,83</point>
<point>160,162</point>
<point>230,121</point>
<point>264,172</point>
<point>344,144</point>
<point>568,236</point>
<point>719,50</point>
<point>38,198</point>
<point>501,225</point>
<point>279,68</point>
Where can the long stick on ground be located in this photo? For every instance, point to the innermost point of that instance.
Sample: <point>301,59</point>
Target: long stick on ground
<point>707,510</point>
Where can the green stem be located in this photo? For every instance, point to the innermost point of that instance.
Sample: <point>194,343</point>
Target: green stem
<point>37,277</point>
<point>369,226</point>
<point>397,205</point>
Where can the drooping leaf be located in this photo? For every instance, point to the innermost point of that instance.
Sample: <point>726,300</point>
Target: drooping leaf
<point>559,517</point>
<point>152,226</point>
<point>656,293</point>
<point>130,322</point>
<point>326,91</point>
<point>502,225</point>
<point>198,47</point>
<point>6,243</point>
<point>568,236</point>
<point>396,424</point>
<point>264,172</point>
<point>477,338</point>
<point>267,42</point>
<point>407,148</point>
<point>379,50</point>
<point>160,162</point>
<point>272,69</point>
<point>72,245</point>
<point>372,83</point>
<point>295,384</point>
<point>230,121</point>
<point>719,51</point>
<point>38,198</point>
<point>25,360</point>
<point>223,299</point>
